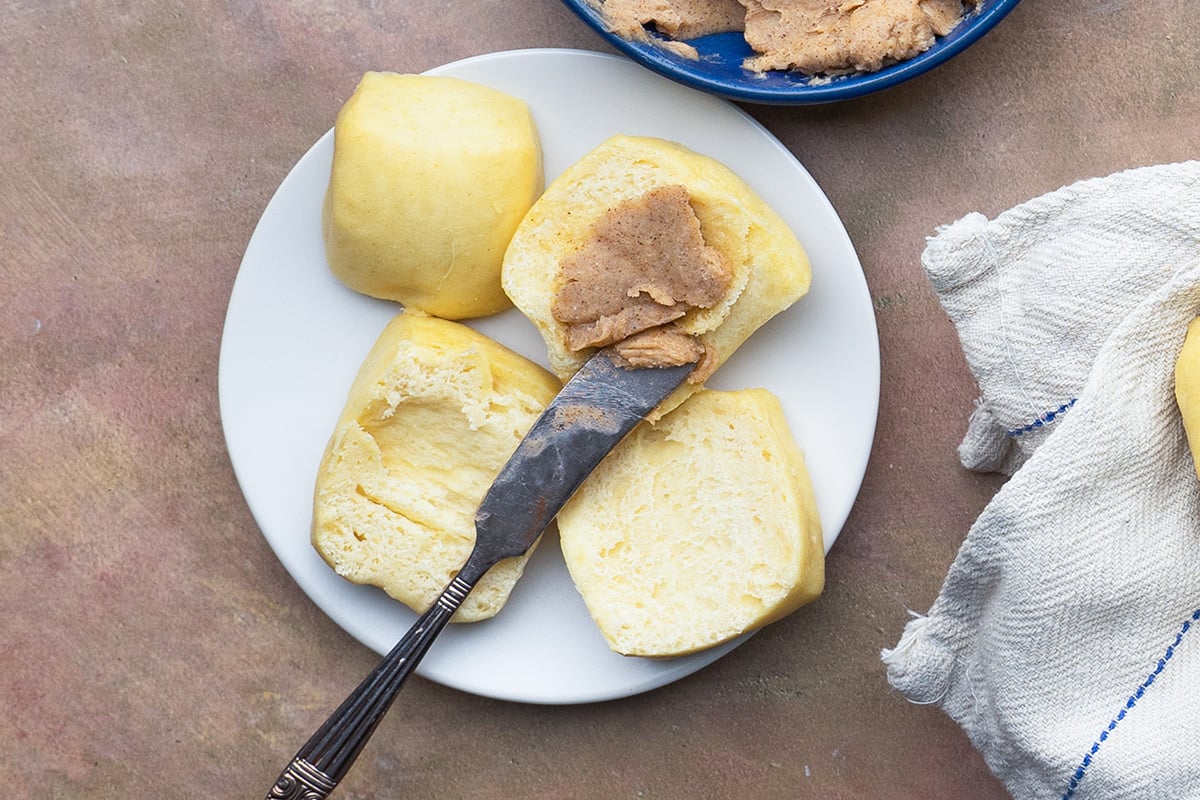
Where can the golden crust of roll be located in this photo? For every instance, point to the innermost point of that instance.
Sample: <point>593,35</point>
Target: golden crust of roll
<point>430,177</point>
<point>1187,388</point>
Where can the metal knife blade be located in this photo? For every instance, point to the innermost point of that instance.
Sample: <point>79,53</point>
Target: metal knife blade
<point>590,416</point>
<point>592,413</point>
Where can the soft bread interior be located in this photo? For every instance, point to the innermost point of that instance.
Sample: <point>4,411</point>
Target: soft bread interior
<point>433,414</point>
<point>696,529</point>
<point>770,268</point>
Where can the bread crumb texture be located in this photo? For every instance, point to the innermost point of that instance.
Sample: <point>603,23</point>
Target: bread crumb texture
<point>434,413</point>
<point>767,268</point>
<point>696,529</point>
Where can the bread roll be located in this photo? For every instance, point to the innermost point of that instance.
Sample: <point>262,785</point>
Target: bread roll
<point>430,177</point>
<point>434,413</point>
<point>696,529</point>
<point>1187,388</point>
<point>770,270</point>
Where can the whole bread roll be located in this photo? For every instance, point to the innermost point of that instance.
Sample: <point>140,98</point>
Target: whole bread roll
<point>696,529</point>
<point>430,177</point>
<point>770,269</point>
<point>434,413</point>
<point>1187,388</point>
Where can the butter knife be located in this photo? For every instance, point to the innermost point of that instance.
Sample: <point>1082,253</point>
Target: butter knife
<point>595,410</point>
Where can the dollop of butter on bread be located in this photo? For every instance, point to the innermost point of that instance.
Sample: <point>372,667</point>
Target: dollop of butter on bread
<point>767,268</point>
<point>815,37</point>
<point>645,266</point>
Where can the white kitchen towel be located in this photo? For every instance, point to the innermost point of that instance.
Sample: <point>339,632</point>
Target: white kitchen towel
<point>1066,637</point>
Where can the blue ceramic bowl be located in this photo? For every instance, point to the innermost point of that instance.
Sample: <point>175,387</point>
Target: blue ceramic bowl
<point>719,67</point>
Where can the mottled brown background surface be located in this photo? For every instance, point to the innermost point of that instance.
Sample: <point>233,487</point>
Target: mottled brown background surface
<point>152,646</point>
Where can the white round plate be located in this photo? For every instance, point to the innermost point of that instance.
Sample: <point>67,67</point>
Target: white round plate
<point>294,338</point>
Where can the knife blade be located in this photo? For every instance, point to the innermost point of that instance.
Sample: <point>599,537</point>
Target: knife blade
<point>597,408</point>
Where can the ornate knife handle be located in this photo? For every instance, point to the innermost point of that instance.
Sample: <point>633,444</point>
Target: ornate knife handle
<point>325,758</point>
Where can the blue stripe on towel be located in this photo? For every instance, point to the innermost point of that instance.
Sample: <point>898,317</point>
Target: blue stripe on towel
<point>1082,769</point>
<point>1043,420</point>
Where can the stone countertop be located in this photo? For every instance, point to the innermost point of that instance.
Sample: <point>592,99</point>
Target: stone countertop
<point>153,645</point>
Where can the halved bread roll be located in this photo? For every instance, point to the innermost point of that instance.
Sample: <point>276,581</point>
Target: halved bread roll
<point>696,529</point>
<point>769,268</point>
<point>434,413</point>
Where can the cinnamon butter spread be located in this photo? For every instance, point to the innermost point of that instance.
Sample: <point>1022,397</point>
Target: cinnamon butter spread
<point>819,36</point>
<point>645,265</point>
<point>679,19</point>
<point>816,37</point>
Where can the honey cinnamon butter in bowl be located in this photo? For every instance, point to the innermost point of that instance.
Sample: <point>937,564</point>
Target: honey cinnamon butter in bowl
<point>791,51</point>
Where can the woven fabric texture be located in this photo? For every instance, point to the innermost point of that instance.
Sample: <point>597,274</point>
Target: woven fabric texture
<point>1064,640</point>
